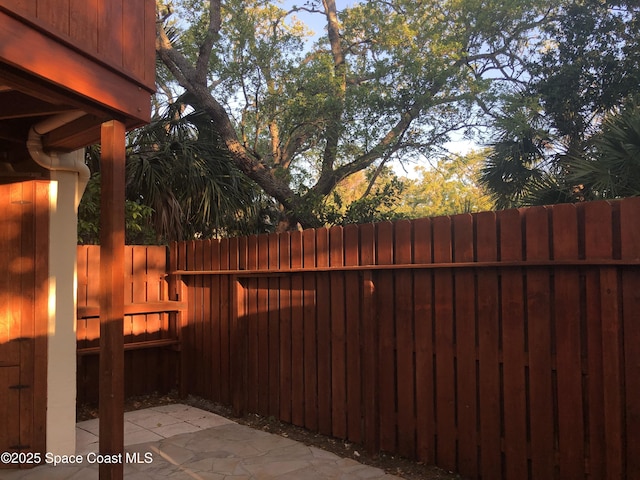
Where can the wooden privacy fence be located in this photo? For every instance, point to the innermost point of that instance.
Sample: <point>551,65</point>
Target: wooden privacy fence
<point>501,345</point>
<point>150,326</point>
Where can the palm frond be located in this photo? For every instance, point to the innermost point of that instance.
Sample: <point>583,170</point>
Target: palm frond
<point>612,167</point>
<point>178,167</point>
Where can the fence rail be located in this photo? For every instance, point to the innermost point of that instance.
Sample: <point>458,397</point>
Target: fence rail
<point>151,323</point>
<point>501,345</point>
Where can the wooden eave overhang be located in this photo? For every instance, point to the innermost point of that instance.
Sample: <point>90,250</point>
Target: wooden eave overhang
<point>96,57</point>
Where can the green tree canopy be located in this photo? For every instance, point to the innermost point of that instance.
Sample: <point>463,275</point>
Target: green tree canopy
<point>386,80</point>
<point>449,187</point>
<point>586,65</point>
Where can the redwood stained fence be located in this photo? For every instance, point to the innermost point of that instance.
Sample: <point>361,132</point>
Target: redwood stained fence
<point>500,345</point>
<point>151,336</point>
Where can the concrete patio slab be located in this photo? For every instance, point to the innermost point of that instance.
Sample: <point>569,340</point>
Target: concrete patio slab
<point>181,442</point>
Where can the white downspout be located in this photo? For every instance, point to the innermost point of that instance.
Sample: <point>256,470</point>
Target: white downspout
<point>67,170</point>
<point>54,161</point>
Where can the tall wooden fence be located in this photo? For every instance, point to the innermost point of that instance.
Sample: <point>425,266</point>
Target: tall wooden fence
<point>151,335</point>
<point>501,345</point>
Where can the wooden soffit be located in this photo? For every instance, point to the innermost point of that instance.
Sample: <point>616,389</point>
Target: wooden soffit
<point>34,52</point>
<point>92,56</point>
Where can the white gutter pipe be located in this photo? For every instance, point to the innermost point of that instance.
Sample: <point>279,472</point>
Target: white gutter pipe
<point>54,161</point>
<point>69,176</point>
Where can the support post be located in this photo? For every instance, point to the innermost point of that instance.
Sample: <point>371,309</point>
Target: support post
<point>111,381</point>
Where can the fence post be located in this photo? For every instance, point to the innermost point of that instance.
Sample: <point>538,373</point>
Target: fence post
<point>177,292</point>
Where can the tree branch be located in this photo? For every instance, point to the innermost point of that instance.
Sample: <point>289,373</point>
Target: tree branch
<point>213,32</point>
<point>329,179</point>
<point>334,118</point>
<point>188,77</point>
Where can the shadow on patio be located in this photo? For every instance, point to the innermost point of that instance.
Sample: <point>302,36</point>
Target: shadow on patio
<point>182,442</point>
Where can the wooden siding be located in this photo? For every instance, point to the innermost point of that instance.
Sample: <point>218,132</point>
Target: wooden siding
<point>23,319</point>
<point>500,345</point>
<point>118,33</point>
<point>101,51</point>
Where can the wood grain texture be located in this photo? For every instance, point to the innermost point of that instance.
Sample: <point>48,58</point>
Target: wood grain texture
<point>112,297</point>
<point>496,367</point>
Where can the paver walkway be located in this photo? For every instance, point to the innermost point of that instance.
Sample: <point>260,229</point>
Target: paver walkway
<point>183,442</point>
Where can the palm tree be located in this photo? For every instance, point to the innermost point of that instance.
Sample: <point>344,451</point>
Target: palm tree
<point>180,184</point>
<point>588,67</point>
<point>612,168</point>
<point>177,166</point>
<point>522,167</point>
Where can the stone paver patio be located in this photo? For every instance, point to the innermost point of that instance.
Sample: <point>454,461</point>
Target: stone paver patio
<point>183,442</point>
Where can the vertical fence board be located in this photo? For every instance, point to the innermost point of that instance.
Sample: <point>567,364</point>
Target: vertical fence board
<point>239,347</point>
<point>325,346</point>
<point>131,384</point>
<point>210,329</point>
<point>568,344</point>
<point>182,292</point>
<point>228,261</point>
<point>238,258</point>
<point>405,335</point>
<point>630,249</point>
<point>465,340</point>
<point>310,333</point>
<point>371,425</point>
<point>251,318</point>
<point>297,333</point>
<point>487,295</point>
<point>213,302</point>
<point>385,305</point>
<point>613,374</point>
<point>446,446</point>
<point>598,232</point>
<point>540,345</point>
<point>159,326</point>
<point>263,328</point>
<point>514,353</point>
<point>285,328</point>
<point>354,334</point>
<point>82,331</point>
<point>92,371</point>
<point>82,275</point>
<point>338,340</point>
<point>274,329</point>
<point>199,331</point>
<point>423,312</point>
<point>140,378</point>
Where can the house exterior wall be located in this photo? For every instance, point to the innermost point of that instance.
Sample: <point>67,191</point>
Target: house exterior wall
<point>38,314</point>
<point>111,33</point>
<point>24,300</point>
